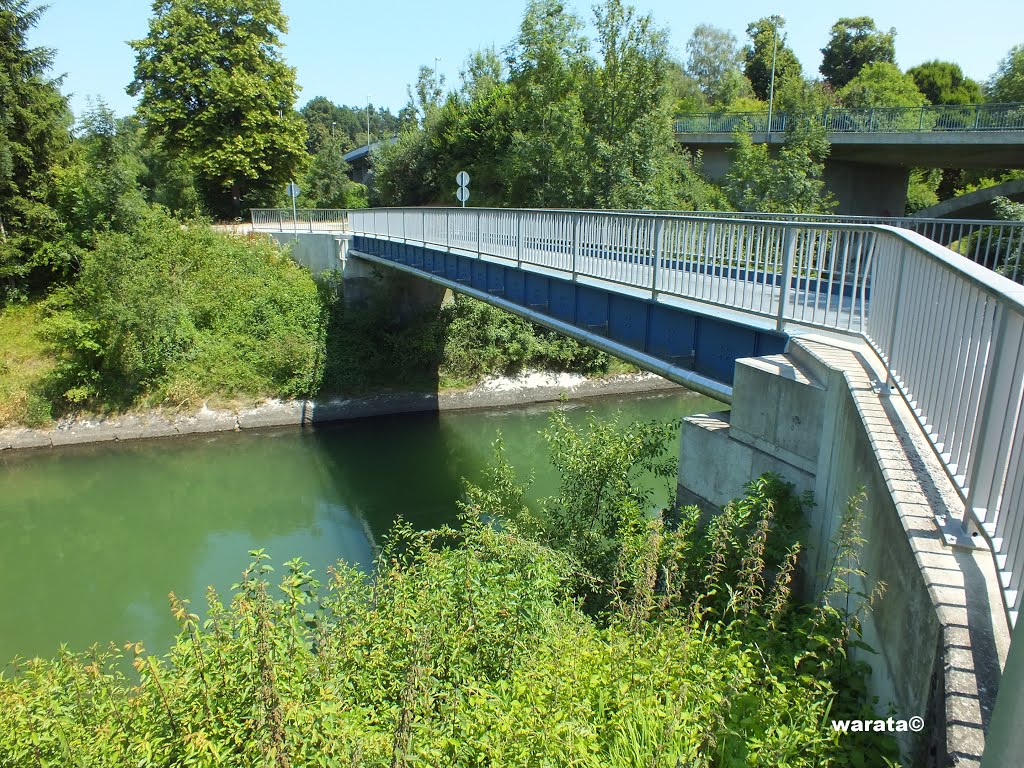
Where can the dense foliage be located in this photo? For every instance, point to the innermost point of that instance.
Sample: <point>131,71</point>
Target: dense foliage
<point>855,43</point>
<point>34,140</point>
<point>767,46</point>
<point>943,82</point>
<point>563,128</point>
<point>173,313</point>
<point>212,83</point>
<point>1007,83</point>
<point>792,181</point>
<point>470,646</point>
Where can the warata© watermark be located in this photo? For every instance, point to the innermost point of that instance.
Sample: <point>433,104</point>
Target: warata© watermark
<point>888,725</point>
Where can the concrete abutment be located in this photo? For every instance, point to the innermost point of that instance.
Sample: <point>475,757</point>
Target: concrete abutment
<point>812,416</point>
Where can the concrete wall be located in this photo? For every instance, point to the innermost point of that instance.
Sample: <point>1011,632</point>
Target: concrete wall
<point>811,416</point>
<point>867,190</point>
<point>319,252</point>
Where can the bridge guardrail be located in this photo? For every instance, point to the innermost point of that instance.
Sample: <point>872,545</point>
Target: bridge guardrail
<point>926,119</point>
<point>996,245</point>
<point>305,220</point>
<point>950,332</point>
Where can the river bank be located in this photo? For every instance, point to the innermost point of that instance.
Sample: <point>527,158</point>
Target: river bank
<point>494,392</point>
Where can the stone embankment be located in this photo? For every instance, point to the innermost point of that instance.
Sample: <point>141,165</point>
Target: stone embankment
<point>530,387</point>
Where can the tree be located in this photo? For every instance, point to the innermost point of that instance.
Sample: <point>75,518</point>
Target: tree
<point>484,72</point>
<point>99,189</point>
<point>794,181</point>
<point>684,92</point>
<point>629,136</point>
<point>214,86</point>
<point>34,140</point>
<point>881,85</point>
<point>943,82</point>
<point>855,43</point>
<point>1007,84</point>
<point>547,164</point>
<point>714,62</point>
<point>758,56</point>
<point>326,184</point>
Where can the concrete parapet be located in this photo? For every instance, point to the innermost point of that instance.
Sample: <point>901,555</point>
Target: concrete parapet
<point>813,417</point>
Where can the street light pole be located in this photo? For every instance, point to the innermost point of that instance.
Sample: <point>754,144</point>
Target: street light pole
<point>367,123</point>
<point>771,88</point>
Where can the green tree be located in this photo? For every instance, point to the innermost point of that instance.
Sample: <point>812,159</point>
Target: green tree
<point>714,62</point>
<point>213,84</point>
<point>943,82</point>
<point>484,71</point>
<point>758,55</point>
<point>881,85</point>
<point>684,92</point>
<point>792,182</point>
<point>99,190</point>
<point>34,140</point>
<point>1007,83</point>
<point>547,164</point>
<point>855,43</point>
<point>327,184</point>
<point>628,113</point>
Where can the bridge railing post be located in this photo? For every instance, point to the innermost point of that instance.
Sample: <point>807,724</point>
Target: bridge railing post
<point>659,227</point>
<point>479,231</point>
<point>890,350</point>
<point>519,239</point>
<point>788,259</point>
<point>575,243</point>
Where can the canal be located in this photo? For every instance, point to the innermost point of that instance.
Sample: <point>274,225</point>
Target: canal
<point>93,538</point>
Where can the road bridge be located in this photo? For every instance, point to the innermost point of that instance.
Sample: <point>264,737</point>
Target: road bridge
<point>854,354</point>
<point>873,149</point>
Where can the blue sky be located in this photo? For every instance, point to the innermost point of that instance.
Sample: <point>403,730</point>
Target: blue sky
<point>347,51</point>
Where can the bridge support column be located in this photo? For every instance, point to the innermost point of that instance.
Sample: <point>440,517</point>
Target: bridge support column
<point>407,295</point>
<point>812,416</point>
<point>864,189</point>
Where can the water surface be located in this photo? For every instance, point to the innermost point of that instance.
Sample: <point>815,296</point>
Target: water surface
<point>93,538</point>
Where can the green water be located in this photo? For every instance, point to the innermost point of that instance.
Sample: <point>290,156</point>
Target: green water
<point>93,538</point>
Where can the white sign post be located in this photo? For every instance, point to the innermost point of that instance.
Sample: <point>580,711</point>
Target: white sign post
<point>462,193</point>
<point>293,191</point>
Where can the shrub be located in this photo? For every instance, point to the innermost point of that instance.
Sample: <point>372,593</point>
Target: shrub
<point>169,309</point>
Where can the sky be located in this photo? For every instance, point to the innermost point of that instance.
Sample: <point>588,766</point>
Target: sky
<point>350,51</point>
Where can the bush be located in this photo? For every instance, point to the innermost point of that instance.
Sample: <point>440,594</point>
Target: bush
<point>172,312</point>
<point>468,648</point>
<point>481,340</point>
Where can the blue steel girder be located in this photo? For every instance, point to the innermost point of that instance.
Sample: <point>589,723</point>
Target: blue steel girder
<point>683,344</point>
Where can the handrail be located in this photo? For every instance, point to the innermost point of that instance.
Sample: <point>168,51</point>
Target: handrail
<point>996,245</point>
<point>925,119</point>
<point>949,332</point>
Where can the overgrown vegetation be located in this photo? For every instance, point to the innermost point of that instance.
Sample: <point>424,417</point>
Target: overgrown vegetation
<point>179,316</point>
<point>507,641</point>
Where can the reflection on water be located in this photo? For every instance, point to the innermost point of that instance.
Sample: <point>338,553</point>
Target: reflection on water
<point>93,538</point>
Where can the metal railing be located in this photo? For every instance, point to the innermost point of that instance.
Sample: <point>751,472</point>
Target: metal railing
<point>942,117</point>
<point>305,219</point>
<point>950,333</point>
<point>995,245</point>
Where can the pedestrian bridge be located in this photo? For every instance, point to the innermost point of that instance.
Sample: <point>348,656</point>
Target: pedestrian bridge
<point>695,297</point>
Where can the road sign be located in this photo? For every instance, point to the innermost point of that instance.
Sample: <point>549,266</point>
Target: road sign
<point>292,190</point>
<point>462,193</point>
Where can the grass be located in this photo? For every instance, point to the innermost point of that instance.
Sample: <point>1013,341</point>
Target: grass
<point>26,359</point>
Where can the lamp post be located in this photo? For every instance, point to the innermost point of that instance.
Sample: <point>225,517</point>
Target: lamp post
<point>776,20</point>
<point>367,123</point>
